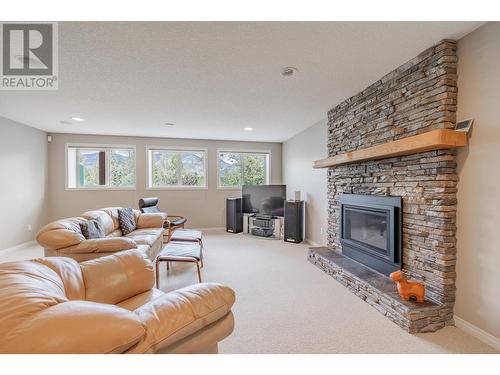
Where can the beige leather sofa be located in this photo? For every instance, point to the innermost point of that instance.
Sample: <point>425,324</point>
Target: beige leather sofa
<point>64,237</point>
<point>107,305</point>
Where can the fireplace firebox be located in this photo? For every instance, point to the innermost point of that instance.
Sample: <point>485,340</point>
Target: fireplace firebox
<point>371,230</point>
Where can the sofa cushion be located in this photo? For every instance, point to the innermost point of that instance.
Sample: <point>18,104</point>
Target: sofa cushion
<point>127,220</point>
<point>70,274</point>
<point>100,245</point>
<point>147,251</point>
<point>145,236</point>
<point>179,314</point>
<point>137,301</point>
<point>157,232</point>
<point>142,239</point>
<point>155,220</point>
<point>115,233</point>
<point>75,327</point>
<point>115,278</point>
<point>92,229</point>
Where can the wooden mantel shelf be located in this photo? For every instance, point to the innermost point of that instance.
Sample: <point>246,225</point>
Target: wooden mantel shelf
<point>439,139</point>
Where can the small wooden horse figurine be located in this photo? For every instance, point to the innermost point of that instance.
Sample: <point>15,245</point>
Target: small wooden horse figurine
<point>408,290</point>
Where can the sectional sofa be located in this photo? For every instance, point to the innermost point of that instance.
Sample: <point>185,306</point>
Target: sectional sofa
<point>64,237</point>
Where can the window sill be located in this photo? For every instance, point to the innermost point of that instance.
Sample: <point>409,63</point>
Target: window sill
<point>178,188</point>
<point>235,188</point>
<point>102,189</point>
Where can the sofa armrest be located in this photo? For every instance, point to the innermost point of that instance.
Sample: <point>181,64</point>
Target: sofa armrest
<point>117,277</point>
<point>75,327</point>
<point>178,314</point>
<point>151,220</point>
<point>58,238</point>
<point>101,245</point>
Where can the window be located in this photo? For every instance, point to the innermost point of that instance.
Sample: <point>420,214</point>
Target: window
<point>177,168</point>
<point>100,167</point>
<point>243,168</point>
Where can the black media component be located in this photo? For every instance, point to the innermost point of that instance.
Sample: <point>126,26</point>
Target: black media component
<point>294,221</point>
<point>262,231</point>
<point>234,215</point>
<point>264,200</point>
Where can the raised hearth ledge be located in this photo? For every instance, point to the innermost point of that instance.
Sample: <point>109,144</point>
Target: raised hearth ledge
<point>439,139</point>
<point>380,291</point>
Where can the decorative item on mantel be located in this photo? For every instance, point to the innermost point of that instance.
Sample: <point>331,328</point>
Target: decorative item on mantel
<point>408,290</point>
<point>464,125</point>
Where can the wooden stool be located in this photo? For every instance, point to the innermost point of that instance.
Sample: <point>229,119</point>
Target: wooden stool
<point>187,252</point>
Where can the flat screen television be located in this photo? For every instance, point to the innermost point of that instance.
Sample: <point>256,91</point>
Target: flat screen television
<point>265,200</point>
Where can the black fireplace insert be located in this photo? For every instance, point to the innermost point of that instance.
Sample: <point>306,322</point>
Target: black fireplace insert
<point>371,230</point>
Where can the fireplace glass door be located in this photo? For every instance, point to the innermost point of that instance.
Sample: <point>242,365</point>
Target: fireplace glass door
<point>371,230</point>
<point>368,227</point>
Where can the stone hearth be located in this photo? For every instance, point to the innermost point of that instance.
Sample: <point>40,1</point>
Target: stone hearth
<point>417,97</point>
<point>380,292</point>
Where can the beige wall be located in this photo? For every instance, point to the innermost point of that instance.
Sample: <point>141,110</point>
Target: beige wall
<point>203,208</point>
<point>478,263</point>
<point>298,174</point>
<point>23,158</point>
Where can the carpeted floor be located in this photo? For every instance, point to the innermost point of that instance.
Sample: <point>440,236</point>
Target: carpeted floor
<point>286,305</point>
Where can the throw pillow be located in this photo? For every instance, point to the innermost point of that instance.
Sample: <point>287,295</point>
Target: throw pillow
<point>127,220</point>
<point>92,229</point>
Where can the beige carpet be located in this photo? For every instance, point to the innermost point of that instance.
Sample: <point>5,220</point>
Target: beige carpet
<point>286,305</point>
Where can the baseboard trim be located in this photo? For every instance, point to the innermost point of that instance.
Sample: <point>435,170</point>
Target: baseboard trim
<point>211,229</point>
<point>477,332</point>
<point>17,247</point>
<point>312,243</point>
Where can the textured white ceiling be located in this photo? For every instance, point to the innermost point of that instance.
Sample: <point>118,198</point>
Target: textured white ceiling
<point>212,79</point>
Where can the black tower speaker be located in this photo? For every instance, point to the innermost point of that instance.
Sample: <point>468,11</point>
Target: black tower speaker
<point>234,215</point>
<point>294,221</point>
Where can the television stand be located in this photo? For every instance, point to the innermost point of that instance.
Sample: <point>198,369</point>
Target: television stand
<point>269,227</point>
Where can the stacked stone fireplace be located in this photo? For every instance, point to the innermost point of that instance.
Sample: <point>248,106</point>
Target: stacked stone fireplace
<point>417,97</point>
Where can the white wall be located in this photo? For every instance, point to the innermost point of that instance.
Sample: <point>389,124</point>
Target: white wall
<point>203,208</point>
<point>23,160</point>
<point>478,235</point>
<point>299,153</point>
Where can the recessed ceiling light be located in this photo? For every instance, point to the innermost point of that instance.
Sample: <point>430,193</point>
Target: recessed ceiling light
<point>65,122</point>
<point>169,124</point>
<point>248,129</point>
<point>79,119</point>
<point>288,71</point>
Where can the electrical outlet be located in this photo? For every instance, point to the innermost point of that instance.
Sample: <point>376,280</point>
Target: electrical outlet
<point>30,227</point>
<point>321,231</point>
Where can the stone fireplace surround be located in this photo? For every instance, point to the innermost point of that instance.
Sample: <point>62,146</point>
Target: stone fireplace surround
<point>417,97</point>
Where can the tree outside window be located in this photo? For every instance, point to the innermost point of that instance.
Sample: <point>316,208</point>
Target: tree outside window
<point>236,169</point>
<point>100,167</point>
<point>122,168</point>
<point>177,168</point>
